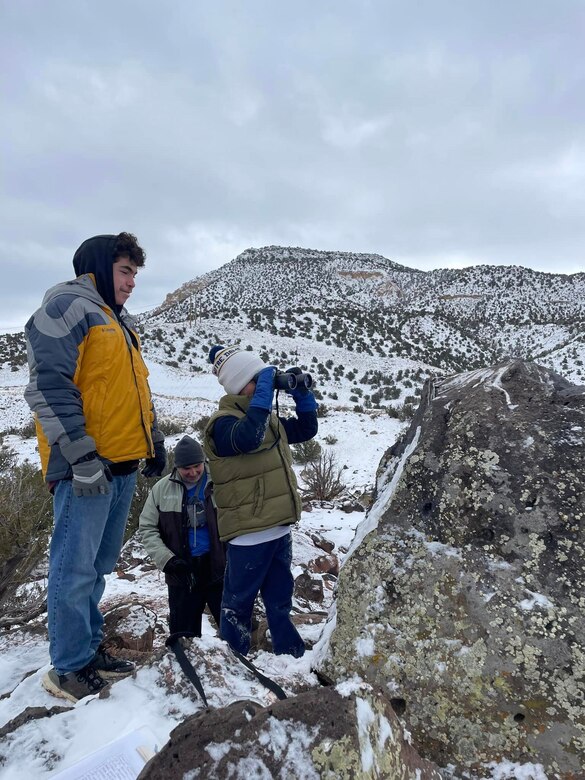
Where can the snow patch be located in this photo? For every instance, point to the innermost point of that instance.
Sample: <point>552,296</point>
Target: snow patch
<point>536,600</point>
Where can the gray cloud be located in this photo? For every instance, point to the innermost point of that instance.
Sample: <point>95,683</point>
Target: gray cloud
<point>433,133</point>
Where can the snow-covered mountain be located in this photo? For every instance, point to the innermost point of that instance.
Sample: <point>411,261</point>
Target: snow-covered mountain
<point>364,324</point>
<point>368,329</point>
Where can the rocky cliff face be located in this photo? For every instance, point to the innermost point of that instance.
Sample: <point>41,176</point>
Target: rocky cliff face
<point>466,599</point>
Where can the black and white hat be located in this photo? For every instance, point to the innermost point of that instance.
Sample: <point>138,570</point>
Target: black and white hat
<point>234,367</point>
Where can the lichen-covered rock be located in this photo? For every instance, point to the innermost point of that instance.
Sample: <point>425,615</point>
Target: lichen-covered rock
<point>317,735</point>
<point>466,596</point>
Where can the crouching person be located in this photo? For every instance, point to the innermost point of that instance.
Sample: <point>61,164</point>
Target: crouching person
<point>178,528</point>
<point>256,494</point>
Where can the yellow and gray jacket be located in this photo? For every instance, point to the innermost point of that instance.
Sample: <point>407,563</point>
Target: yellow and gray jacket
<point>88,381</point>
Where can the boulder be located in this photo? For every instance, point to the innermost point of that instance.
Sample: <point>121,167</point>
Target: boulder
<point>465,597</point>
<point>321,734</point>
<point>130,627</point>
<point>320,541</point>
<point>308,589</point>
<point>351,506</point>
<point>324,564</point>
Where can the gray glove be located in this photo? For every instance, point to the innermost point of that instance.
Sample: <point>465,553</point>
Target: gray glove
<point>90,477</point>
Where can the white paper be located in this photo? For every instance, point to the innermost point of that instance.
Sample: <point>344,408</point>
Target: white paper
<point>122,759</point>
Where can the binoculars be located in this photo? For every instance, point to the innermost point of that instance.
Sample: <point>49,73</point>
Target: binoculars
<point>286,380</point>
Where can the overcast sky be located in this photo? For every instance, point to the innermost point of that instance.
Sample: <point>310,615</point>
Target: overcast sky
<point>434,132</point>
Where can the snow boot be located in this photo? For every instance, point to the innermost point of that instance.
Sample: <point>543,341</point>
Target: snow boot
<point>108,665</point>
<point>74,685</point>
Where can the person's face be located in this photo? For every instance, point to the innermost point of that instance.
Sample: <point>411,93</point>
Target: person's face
<point>249,390</point>
<point>191,473</point>
<point>124,272</point>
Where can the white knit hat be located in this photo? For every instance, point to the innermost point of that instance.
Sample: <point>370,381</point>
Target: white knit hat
<point>235,367</point>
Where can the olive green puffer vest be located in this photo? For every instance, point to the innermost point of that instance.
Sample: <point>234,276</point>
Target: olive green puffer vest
<point>255,490</point>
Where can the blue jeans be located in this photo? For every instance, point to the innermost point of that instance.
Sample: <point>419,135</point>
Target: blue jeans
<point>265,569</point>
<point>87,539</point>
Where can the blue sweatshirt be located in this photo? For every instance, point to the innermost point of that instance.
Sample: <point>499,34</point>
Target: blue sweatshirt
<point>233,436</point>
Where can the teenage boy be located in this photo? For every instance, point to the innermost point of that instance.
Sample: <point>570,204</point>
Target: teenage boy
<point>95,421</point>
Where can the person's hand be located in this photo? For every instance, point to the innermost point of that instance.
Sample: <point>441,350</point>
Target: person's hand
<point>177,567</point>
<point>262,398</point>
<point>91,477</point>
<point>304,399</point>
<point>155,466</point>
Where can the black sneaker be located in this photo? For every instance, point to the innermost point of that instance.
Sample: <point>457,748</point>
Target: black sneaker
<point>109,666</point>
<point>74,685</point>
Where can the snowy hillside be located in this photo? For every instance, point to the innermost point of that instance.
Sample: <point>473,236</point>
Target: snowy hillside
<point>369,329</point>
<point>365,312</point>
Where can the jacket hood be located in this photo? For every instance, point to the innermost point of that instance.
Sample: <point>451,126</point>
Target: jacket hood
<point>96,256</point>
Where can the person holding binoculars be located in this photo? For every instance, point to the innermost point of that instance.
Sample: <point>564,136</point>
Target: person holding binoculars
<point>255,489</point>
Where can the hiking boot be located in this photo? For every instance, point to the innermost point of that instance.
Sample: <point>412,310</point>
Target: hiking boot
<point>74,685</point>
<point>109,666</point>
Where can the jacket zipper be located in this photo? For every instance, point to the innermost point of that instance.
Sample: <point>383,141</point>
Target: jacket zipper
<point>147,434</point>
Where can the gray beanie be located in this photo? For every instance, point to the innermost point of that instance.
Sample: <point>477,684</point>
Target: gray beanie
<point>188,452</point>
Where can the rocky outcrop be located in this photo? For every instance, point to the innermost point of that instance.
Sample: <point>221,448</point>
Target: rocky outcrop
<point>131,627</point>
<point>322,734</point>
<point>465,596</point>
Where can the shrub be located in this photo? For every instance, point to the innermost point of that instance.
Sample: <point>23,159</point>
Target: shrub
<point>405,412</point>
<point>26,519</point>
<point>200,424</point>
<point>322,410</point>
<point>7,458</point>
<point>143,486</point>
<point>323,478</point>
<point>306,451</point>
<point>28,430</point>
<point>170,427</point>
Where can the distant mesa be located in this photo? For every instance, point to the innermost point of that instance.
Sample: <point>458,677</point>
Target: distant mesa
<point>368,316</point>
